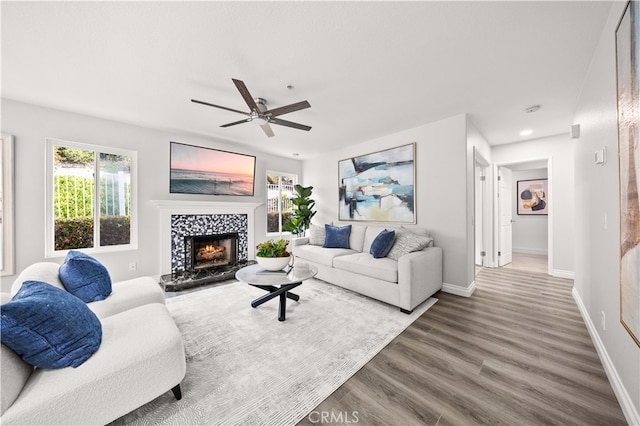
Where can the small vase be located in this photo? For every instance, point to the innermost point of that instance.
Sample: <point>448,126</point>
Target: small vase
<point>273,263</point>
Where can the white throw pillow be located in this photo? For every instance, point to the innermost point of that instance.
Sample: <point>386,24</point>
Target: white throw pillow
<point>316,235</point>
<point>407,242</point>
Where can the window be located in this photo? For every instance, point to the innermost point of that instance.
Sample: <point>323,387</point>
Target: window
<point>6,205</point>
<point>90,198</point>
<point>279,194</point>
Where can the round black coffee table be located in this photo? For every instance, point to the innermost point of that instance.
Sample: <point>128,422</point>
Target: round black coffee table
<point>276,283</point>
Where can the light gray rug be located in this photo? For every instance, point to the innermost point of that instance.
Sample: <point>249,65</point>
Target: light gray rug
<point>244,367</point>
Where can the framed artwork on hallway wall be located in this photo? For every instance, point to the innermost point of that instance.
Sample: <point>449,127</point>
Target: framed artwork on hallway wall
<point>628,87</point>
<point>379,186</point>
<point>533,197</point>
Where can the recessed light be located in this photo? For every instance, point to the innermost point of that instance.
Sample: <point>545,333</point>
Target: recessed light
<point>532,108</point>
<point>526,132</point>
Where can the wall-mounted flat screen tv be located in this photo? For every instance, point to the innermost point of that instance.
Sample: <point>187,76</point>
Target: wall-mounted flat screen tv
<point>200,170</point>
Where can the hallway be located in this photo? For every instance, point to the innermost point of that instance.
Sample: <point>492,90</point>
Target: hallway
<point>534,263</point>
<point>517,352</point>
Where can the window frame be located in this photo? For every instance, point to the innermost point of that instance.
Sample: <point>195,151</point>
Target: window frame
<point>50,251</point>
<point>8,209</point>
<point>294,177</point>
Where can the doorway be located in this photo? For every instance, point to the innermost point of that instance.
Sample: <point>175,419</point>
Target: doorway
<point>480,212</point>
<point>524,241</point>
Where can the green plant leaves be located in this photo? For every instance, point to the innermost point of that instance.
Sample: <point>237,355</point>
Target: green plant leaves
<point>303,212</point>
<point>273,248</point>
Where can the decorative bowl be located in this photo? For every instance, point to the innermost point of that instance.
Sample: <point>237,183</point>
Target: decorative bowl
<point>273,263</point>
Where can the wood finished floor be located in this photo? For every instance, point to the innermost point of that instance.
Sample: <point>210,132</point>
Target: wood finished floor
<point>515,353</point>
<point>528,263</point>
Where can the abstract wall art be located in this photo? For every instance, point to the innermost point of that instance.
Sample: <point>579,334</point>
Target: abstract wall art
<point>628,83</point>
<point>379,186</point>
<point>533,197</point>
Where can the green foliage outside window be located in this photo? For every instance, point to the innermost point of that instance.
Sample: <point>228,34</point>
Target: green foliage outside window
<point>115,230</point>
<point>77,232</point>
<point>73,196</point>
<point>73,156</point>
<point>273,217</point>
<point>73,233</point>
<point>74,205</point>
<point>110,198</point>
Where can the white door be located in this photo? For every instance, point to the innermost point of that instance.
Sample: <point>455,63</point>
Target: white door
<point>505,199</point>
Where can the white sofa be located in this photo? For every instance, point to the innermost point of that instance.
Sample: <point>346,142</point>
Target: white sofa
<point>404,283</point>
<point>141,356</point>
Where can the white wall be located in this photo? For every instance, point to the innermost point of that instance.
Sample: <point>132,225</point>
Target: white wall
<point>597,248</point>
<point>529,231</point>
<point>559,149</point>
<point>441,182</point>
<point>32,124</point>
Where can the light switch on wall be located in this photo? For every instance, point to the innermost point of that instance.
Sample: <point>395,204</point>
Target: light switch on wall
<point>601,156</point>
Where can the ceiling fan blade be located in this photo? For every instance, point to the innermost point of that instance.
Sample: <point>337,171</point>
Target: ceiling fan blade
<point>246,120</point>
<point>246,95</point>
<point>267,130</point>
<point>218,106</point>
<point>282,122</point>
<point>288,108</point>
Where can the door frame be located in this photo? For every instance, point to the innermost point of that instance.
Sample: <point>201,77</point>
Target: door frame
<point>504,255</point>
<point>482,205</point>
<point>496,219</point>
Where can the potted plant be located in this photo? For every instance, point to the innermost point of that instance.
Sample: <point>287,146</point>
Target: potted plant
<point>301,218</point>
<point>273,255</point>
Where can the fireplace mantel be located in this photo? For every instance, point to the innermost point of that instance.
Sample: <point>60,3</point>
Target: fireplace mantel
<point>184,207</point>
<point>174,207</point>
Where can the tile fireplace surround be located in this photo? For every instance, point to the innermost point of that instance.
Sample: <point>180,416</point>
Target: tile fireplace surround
<point>203,214</point>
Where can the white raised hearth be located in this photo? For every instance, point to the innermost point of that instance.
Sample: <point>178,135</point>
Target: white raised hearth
<point>170,208</point>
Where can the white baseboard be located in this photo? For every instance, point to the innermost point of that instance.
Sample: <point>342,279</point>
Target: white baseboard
<point>563,274</point>
<point>459,291</point>
<point>628,408</point>
<point>525,250</point>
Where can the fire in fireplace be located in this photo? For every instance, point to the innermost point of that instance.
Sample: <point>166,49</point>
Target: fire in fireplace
<point>211,251</point>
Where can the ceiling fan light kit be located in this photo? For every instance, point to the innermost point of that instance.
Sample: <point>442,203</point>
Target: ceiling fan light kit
<point>259,113</point>
<point>259,120</point>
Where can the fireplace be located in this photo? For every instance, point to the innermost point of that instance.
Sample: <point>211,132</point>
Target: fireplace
<point>185,227</point>
<point>210,251</point>
<point>182,219</point>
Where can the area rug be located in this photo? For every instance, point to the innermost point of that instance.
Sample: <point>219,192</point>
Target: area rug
<point>244,367</point>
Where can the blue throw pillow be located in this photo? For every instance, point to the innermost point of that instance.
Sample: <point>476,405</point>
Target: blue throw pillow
<point>85,277</point>
<point>337,236</point>
<point>382,244</point>
<point>48,327</point>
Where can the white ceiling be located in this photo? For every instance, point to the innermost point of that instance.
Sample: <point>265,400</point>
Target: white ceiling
<point>367,68</point>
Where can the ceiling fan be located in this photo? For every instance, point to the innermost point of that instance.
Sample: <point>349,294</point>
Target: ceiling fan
<point>259,113</point>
